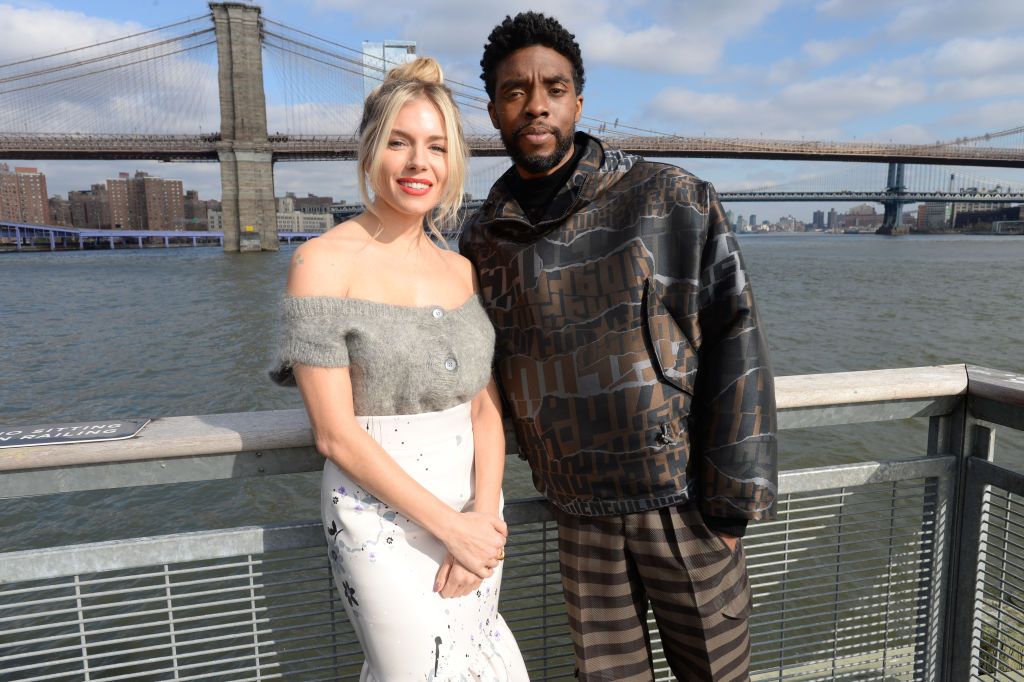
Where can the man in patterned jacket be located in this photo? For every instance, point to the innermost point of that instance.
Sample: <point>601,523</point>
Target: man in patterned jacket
<point>633,367</point>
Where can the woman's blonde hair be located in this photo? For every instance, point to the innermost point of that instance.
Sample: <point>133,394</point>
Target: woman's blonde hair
<point>421,78</point>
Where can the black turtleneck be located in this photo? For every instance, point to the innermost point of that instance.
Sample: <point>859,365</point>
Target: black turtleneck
<point>534,195</point>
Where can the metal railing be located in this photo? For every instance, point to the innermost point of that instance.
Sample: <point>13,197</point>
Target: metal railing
<point>887,570</point>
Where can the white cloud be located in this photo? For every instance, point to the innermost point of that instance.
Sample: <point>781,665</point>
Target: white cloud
<point>843,97</point>
<point>979,57</point>
<point>654,48</point>
<point>173,93</point>
<point>814,109</point>
<point>455,26</point>
<point>26,32</point>
<point>314,118</point>
<point>785,70</point>
<point>980,87</point>
<point>932,19</point>
<point>824,52</point>
<point>847,8</point>
<point>988,118</point>
<point>936,19</point>
<point>665,37</point>
<point>906,133</point>
<point>695,113</point>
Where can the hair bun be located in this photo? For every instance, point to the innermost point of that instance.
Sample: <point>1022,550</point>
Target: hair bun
<point>424,69</point>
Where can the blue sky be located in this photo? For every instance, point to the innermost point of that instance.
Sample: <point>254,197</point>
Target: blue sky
<point>909,71</point>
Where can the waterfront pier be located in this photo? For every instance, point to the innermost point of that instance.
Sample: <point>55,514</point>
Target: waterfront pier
<point>25,236</point>
<point>892,570</point>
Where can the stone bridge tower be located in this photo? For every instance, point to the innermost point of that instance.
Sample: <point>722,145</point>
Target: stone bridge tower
<point>246,161</point>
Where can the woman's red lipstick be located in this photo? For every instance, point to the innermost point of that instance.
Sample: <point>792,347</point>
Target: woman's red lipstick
<point>415,186</point>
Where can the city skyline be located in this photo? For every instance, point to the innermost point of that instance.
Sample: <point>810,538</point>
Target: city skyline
<point>818,69</point>
<point>145,202</point>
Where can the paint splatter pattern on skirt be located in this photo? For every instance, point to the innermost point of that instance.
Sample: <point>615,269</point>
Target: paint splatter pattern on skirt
<point>384,564</point>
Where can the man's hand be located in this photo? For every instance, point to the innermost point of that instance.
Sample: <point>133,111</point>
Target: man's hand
<point>729,540</point>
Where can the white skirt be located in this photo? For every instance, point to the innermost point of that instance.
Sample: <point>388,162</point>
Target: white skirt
<point>384,564</point>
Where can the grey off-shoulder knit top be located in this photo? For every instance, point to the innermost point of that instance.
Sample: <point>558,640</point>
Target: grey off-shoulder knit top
<point>401,359</point>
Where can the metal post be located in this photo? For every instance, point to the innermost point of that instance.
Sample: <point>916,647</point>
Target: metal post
<point>111,242</point>
<point>945,438</point>
<point>960,622</point>
<point>53,243</point>
<point>17,239</point>
<point>886,649</point>
<point>837,581</point>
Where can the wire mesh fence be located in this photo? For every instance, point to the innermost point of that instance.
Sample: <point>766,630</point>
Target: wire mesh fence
<point>841,585</point>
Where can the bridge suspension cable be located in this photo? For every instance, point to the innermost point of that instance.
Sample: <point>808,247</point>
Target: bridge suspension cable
<point>161,80</point>
<point>93,60</point>
<point>359,63</point>
<point>474,99</point>
<point>483,174</point>
<point>1017,132</point>
<point>62,53</point>
<point>122,65</point>
<point>308,95</point>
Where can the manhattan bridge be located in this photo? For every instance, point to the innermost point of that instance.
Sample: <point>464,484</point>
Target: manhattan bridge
<point>247,91</point>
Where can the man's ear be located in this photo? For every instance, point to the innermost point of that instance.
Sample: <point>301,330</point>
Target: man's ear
<point>494,115</point>
<point>579,107</point>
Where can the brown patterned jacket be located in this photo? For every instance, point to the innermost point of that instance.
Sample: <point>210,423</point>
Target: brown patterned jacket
<point>629,352</point>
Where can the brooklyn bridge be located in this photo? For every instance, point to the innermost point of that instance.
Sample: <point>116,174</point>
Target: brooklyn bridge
<point>197,90</point>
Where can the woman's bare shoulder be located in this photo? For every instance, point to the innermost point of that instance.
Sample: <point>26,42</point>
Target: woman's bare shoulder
<point>462,268</point>
<point>324,266</point>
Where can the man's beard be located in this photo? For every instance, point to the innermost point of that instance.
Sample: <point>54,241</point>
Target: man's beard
<point>539,163</point>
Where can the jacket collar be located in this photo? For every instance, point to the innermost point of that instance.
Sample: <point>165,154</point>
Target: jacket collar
<point>600,167</point>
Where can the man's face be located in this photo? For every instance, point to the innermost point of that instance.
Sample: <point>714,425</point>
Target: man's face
<point>536,108</point>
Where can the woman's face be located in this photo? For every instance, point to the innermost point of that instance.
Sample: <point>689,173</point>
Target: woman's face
<point>414,163</point>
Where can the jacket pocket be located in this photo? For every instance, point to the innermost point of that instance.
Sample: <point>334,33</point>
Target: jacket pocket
<point>672,355</point>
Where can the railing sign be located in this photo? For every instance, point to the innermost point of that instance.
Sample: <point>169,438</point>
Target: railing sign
<point>81,432</point>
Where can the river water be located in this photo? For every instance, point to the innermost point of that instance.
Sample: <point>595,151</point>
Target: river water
<point>163,332</point>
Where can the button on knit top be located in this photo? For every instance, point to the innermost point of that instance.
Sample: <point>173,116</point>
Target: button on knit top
<point>401,359</point>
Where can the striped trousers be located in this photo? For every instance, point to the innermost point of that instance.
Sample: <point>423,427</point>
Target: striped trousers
<point>697,588</point>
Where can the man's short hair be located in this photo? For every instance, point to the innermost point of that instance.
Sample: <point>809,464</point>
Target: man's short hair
<point>526,30</point>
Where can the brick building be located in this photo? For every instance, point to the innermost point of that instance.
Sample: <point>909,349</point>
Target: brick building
<point>144,202</point>
<point>23,196</point>
<point>90,208</point>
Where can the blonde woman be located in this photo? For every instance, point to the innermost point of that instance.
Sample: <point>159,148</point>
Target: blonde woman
<point>386,338</point>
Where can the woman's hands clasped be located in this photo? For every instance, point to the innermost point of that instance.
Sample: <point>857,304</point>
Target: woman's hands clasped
<point>475,543</point>
<point>454,580</point>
